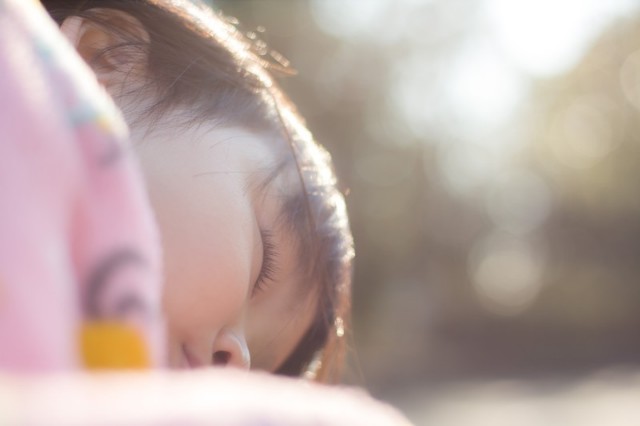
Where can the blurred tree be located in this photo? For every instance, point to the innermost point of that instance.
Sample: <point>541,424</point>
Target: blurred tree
<point>427,297</point>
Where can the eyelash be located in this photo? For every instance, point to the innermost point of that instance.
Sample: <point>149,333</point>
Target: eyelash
<point>268,268</point>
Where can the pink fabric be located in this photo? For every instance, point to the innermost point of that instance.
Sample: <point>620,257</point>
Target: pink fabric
<point>72,202</point>
<point>214,397</point>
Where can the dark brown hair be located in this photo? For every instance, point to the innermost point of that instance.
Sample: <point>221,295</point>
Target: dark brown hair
<point>198,59</point>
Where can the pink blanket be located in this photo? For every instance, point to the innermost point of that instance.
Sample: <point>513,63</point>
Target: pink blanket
<point>79,263</point>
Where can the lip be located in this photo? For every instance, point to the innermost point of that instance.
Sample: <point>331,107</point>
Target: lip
<point>192,361</point>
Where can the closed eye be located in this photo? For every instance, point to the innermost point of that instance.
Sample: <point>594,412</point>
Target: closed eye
<point>269,257</point>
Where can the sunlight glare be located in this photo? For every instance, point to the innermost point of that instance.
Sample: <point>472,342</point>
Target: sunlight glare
<point>483,89</point>
<point>348,18</point>
<point>547,37</point>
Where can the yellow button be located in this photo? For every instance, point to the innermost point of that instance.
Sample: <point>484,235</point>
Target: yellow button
<point>112,345</point>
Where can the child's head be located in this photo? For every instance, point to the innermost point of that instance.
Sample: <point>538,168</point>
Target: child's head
<point>256,239</point>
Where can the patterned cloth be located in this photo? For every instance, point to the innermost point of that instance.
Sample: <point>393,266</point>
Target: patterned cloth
<point>79,257</point>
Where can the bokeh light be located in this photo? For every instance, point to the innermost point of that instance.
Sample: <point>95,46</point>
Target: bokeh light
<point>481,86</point>
<point>630,78</point>
<point>507,273</point>
<point>547,37</point>
<point>351,18</point>
<point>584,132</point>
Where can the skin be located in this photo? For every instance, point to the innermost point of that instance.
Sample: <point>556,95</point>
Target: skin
<point>202,185</point>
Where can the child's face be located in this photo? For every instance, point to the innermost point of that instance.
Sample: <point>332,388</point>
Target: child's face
<point>215,225</point>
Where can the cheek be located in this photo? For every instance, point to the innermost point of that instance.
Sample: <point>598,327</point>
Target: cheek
<point>206,224</point>
<point>208,269</point>
<point>276,325</point>
<point>203,294</point>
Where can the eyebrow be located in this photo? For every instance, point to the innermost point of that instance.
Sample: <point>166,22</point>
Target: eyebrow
<point>99,278</point>
<point>262,179</point>
<point>261,185</point>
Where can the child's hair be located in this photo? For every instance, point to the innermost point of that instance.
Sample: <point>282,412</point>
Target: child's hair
<point>198,59</point>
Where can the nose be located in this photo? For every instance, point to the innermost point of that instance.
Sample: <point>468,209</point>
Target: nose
<point>230,350</point>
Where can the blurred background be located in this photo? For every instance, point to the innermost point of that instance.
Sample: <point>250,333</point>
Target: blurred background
<point>490,152</point>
